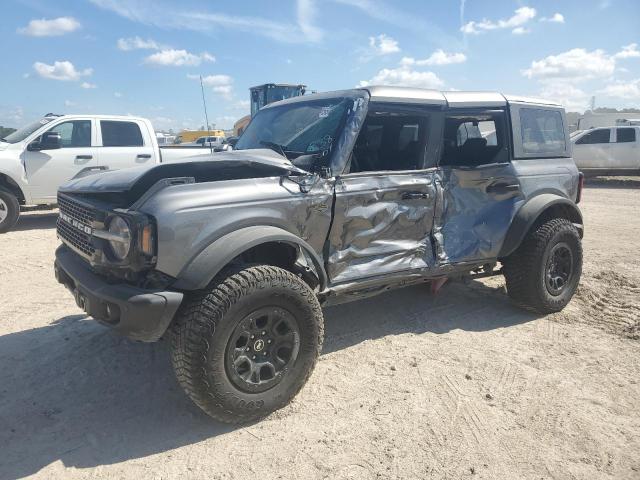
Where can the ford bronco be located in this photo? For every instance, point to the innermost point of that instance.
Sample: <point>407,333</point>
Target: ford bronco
<point>327,198</point>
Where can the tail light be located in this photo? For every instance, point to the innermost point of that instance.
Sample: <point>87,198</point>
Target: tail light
<point>580,187</point>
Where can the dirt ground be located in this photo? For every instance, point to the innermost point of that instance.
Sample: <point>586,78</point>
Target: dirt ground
<point>409,385</point>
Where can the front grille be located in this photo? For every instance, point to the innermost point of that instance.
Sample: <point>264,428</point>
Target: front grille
<point>70,234</point>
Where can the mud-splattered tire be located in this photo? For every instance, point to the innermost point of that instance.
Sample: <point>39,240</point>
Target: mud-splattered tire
<point>543,273</point>
<point>228,342</point>
<point>9,210</point>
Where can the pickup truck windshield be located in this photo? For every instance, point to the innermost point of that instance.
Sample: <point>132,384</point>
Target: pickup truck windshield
<point>298,128</point>
<point>24,132</point>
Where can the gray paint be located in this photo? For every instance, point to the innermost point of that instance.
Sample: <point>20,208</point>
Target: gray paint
<point>367,231</point>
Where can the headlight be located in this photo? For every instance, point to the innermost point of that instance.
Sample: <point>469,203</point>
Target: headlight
<point>120,238</point>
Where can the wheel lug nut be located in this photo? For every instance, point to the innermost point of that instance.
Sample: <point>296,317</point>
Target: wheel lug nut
<point>252,336</point>
<point>265,354</point>
<point>264,333</point>
<point>253,358</point>
<point>247,349</point>
<point>269,341</point>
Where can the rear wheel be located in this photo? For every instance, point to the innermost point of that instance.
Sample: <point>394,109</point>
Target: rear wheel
<point>9,210</point>
<point>245,347</point>
<point>544,272</point>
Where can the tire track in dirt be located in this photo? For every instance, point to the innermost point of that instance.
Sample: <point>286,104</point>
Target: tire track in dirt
<point>608,300</point>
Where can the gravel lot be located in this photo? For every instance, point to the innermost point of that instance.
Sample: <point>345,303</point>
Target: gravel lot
<point>409,385</point>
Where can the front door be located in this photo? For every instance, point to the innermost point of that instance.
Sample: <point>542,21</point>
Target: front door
<point>593,150</point>
<point>46,170</point>
<point>479,187</point>
<point>384,204</point>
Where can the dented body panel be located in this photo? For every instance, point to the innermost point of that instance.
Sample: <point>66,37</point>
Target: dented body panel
<point>382,224</point>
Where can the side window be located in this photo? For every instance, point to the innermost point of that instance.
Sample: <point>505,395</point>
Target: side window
<point>475,138</point>
<point>390,141</point>
<point>542,132</point>
<point>120,134</point>
<point>597,136</point>
<point>626,135</point>
<point>74,134</point>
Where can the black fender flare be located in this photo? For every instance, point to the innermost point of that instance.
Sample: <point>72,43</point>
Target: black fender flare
<point>531,211</point>
<point>199,272</point>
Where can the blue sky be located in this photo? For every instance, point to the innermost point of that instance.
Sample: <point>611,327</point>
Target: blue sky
<point>143,57</point>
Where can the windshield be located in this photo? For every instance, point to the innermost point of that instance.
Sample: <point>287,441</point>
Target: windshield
<point>24,132</point>
<point>297,128</point>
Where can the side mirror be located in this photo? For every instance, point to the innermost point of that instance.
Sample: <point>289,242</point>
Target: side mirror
<point>48,141</point>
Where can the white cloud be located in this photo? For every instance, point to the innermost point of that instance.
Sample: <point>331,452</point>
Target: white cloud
<point>575,65</point>
<point>520,31</point>
<point>88,85</point>
<point>117,94</point>
<point>404,76</point>
<point>628,51</point>
<point>137,43</point>
<point>306,12</point>
<point>439,57</point>
<point>200,20</point>
<point>11,116</point>
<point>69,103</point>
<point>220,84</point>
<point>555,18</point>
<point>571,97</point>
<point>520,17</point>
<point>178,58</point>
<point>383,45</point>
<point>64,70</point>
<point>629,90</point>
<point>50,28</point>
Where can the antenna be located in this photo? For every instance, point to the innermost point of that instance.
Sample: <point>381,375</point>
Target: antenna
<point>206,117</point>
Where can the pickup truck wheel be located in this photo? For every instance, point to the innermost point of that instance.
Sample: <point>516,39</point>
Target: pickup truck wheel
<point>9,210</point>
<point>543,273</point>
<point>246,346</point>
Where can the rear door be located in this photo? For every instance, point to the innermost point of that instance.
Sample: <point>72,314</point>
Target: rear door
<point>124,144</point>
<point>384,204</point>
<point>625,149</point>
<point>479,189</point>
<point>46,170</point>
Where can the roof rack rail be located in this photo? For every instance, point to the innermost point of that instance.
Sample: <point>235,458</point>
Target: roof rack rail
<point>52,114</point>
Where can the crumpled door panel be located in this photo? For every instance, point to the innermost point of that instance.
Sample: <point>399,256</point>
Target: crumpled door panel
<point>382,224</point>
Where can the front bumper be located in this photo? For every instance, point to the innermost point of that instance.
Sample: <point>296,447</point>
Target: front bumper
<point>133,312</point>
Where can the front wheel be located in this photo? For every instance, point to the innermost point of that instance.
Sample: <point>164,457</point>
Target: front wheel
<point>9,210</point>
<point>245,347</point>
<point>544,272</point>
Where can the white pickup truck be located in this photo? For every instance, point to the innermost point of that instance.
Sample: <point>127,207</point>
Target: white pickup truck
<point>607,150</point>
<point>36,159</point>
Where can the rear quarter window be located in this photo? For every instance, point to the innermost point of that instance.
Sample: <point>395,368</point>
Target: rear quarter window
<point>542,132</point>
<point>120,134</point>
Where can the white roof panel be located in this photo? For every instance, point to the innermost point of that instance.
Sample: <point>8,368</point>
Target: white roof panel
<point>475,99</point>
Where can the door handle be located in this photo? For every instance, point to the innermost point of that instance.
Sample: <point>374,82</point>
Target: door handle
<point>415,196</point>
<point>144,155</point>
<point>84,157</point>
<point>502,188</point>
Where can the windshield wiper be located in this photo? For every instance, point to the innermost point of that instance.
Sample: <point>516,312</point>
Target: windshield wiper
<point>276,147</point>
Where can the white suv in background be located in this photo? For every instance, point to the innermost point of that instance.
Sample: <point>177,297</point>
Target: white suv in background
<point>607,150</point>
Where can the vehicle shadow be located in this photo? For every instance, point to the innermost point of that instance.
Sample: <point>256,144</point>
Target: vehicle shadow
<point>77,393</point>
<point>36,221</point>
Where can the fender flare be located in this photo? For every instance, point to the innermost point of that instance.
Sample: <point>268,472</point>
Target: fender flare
<point>199,272</point>
<point>530,212</point>
<point>13,186</point>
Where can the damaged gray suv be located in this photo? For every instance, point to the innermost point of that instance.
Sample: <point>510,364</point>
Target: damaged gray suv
<point>327,198</point>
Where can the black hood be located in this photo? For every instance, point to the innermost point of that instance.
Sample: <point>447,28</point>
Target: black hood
<point>127,185</point>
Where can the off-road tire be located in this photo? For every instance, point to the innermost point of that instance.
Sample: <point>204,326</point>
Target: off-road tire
<point>525,269</point>
<point>208,319</point>
<point>10,202</point>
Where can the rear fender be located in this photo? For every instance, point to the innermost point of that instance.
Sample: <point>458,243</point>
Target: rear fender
<point>547,204</point>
